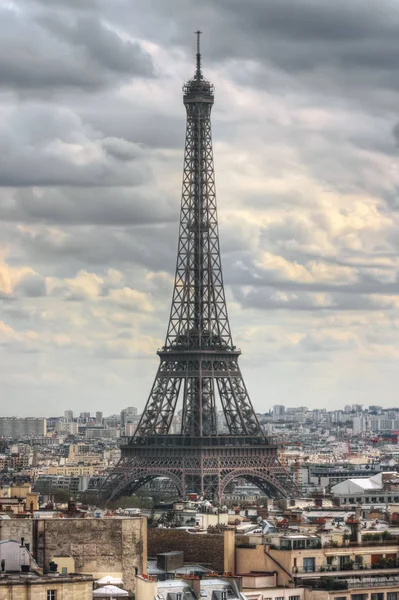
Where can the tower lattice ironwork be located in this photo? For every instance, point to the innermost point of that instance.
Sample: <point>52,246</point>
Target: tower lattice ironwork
<point>199,362</point>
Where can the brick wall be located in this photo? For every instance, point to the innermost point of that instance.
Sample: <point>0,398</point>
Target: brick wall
<point>207,549</point>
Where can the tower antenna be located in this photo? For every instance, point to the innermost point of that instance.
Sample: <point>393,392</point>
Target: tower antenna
<point>198,74</point>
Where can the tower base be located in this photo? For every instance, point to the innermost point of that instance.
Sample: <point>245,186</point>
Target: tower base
<point>202,465</point>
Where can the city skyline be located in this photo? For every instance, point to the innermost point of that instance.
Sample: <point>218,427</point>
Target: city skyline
<point>304,132</point>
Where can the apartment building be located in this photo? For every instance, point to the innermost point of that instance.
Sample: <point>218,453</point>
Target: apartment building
<point>16,428</point>
<point>327,568</point>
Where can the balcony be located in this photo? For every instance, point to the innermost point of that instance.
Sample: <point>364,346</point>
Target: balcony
<point>374,582</point>
<point>353,583</point>
<point>297,543</point>
<point>345,570</point>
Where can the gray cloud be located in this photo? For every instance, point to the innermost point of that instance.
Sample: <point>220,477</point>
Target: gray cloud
<point>341,49</point>
<point>92,135</point>
<point>52,54</point>
<point>32,286</point>
<point>86,206</point>
<point>266,299</point>
<point>63,150</point>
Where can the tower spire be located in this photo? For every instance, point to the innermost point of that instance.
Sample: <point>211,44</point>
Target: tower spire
<point>198,74</point>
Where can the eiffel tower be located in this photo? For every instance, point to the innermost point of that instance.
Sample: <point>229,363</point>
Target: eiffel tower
<point>199,362</point>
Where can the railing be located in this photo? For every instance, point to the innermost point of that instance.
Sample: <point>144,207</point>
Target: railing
<point>310,546</point>
<point>345,584</point>
<point>382,542</point>
<point>335,569</point>
<point>374,582</point>
<point>363,544</point>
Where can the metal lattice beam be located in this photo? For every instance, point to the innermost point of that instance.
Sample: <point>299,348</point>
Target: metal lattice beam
<point>199,362</point>
<point>198,359</point>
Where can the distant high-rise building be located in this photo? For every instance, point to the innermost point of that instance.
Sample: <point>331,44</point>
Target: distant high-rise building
<point>358,425</point>
<point>84,416</point>
<point>128,415</point>
<point>99,418</point>
<point>98,433</point>
<point>69,427</point>
<point>12,427</point>
<point>278,410</point>
<point>68,415</point>
<point>111,421</point>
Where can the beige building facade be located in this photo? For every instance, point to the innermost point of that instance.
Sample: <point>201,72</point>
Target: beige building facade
<point>46,588</point>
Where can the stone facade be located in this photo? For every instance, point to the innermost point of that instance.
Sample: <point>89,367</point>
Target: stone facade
<point>114,546</point>
<point>71,588</point>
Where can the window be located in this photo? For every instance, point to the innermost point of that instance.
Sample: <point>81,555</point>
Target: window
<point>309,565</point>
<point>279,598</point>
<point>219,595</point>
<point>359,596</point>
<point>392,596</point>
<point>294,598</point>
<point>51,595</point>
<point>378,596</point>
<point>340,598</point>
<point>344,561</point>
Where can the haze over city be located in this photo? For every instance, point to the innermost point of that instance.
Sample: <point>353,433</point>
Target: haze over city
<point>305,134</point>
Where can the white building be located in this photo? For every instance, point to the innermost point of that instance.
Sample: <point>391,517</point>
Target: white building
<point>382,488</point>
<point>278,410</point>
<point>15,556</point>
<point>99,433</point>
<point>13,427</point>
<point>128,415</point>
<point>69,427</point>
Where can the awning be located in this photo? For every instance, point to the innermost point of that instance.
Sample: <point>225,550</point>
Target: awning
<point>108,591</point>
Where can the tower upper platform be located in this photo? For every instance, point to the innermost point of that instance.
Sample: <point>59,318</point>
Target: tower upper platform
<point>198,89</point>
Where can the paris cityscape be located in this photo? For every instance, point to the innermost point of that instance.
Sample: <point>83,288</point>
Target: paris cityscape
<point>199,300</point>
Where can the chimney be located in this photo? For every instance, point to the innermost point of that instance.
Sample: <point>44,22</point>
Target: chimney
<point>229,558</point>
<point>195,583</point>
<point>234,580</point>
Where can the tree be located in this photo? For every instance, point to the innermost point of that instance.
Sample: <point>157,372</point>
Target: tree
<point>61,495</point>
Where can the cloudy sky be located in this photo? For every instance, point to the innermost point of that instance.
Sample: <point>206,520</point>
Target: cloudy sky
<point>305,129</point>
